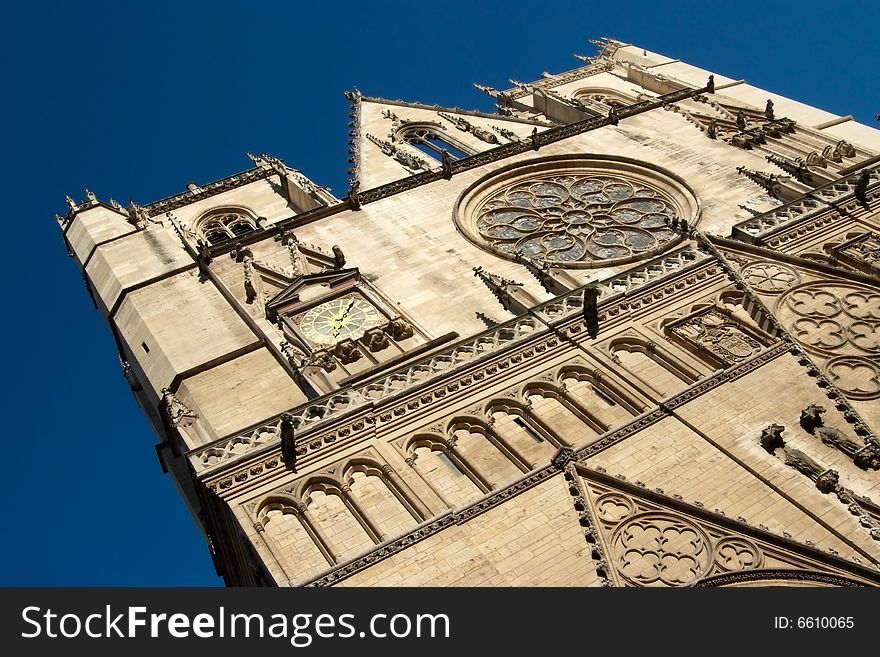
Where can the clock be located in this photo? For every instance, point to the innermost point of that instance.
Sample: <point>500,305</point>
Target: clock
<point>339,319</point>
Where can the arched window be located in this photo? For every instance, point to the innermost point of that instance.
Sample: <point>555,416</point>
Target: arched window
<point>226,224</point>
<point>430,142</point>
<point>603,97</point>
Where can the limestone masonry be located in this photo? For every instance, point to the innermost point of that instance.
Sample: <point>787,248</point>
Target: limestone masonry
<point>623,332</point>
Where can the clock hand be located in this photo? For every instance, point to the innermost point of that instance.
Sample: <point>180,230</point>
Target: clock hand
<point>347,308</point>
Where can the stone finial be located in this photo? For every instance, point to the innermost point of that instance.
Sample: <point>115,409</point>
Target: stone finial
<point>498,285</point>
<point>489,91</point>
<point>90,195</point>
<point>71,203</point>
<point>768,181</point>
<point>176,410</point>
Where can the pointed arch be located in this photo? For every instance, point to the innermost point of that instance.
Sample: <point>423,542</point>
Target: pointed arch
<point>225,223</point>
<point>594,390</point>
<point>443,470</point>
<point>388,503</point>
<point>290,537</point>
<point>340,523</point>
<point>432,141</point>
<point>658,370</point>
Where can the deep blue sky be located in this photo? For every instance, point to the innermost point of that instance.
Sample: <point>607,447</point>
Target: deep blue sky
<point>134,101</point>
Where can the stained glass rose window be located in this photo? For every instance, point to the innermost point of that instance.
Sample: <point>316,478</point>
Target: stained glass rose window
<point>580,217</point>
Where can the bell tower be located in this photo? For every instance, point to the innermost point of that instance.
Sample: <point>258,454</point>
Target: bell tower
<point>639,300</point>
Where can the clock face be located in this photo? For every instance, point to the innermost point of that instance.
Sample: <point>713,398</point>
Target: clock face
<point>338,320</point>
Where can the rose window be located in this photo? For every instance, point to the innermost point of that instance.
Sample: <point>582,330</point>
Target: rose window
<point>580,216</point>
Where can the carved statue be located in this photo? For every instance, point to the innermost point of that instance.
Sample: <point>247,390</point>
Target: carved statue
<point>375,339</point>
<point>861,190</point>
<point>399,329</point>
<point>293,355</point>
<point>768,110</point>
<point>740,120</point>
<point>801,462</point>
<point>446,164</point>
<point>323,359</point>
<point>866,457</point>
<point>591,305</point>
<point>250,289</point>
<point>338,257</point>
<point>90,195</point>
<point>287,435</point>
<point>613,117</point>
<point>354,199</point>
<point>347,351</point>
<point>712,129</point>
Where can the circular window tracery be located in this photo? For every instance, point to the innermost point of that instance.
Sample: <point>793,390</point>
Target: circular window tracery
<point>577,213</point>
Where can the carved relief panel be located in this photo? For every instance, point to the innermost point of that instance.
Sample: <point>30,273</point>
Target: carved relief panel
<point>717,336</point>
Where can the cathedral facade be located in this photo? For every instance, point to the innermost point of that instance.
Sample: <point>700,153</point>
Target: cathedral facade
<point>625,331</point>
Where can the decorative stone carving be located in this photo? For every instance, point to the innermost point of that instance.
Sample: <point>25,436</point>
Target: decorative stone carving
<point>288,440</point>
<point>802,462</point>
<point>322,358</point>
<point>811,417</point>
<point>347,352</point>
<point>375,339</point>
<point>293,355</point>
<point>660,549</point>
<point>865,456</point>
<point>504,132</point>
<point>407,159</point>
<point>833,318</point>
<point>856,377</point>
<point>718,333</point>
<point>771,437</point>
<point>178,413</point>
<point>466,126</point>
<point>735,553</point>
<point>399,330</point>
<point>770,277</point>
<point>862,251</point>
<point>249,280</point>
<point>585,218</point>
<point>338,257</point>
<point>562,457</point>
